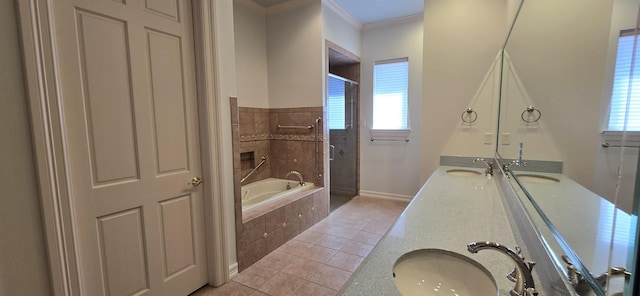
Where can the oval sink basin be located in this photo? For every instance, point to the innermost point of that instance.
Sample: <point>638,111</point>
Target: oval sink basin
<point>431,272</point>
<point>463,173</point>
<point>536,178</point>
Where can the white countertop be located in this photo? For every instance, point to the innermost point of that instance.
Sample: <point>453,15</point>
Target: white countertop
<point>585,220</point>
<point>447,213</point>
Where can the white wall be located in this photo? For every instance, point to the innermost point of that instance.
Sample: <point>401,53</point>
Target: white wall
<point>461,41</point>
<point>339,31</point>
<point>569,96</point>
<point>294,57</point>
<point>226,87</point>
<point>251,55</point>
<point>391,168</point>
<point>23,262</point>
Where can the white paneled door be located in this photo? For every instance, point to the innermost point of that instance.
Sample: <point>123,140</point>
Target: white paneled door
<point>127,82</point>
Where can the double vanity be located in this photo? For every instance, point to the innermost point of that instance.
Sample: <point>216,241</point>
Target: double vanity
<point>450,211</point>
<point>429,248</point>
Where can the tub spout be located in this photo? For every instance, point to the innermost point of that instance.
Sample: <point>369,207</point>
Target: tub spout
<point>298,174</point>
<point>524,285</point>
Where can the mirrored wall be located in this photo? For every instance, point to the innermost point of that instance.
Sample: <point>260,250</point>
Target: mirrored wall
<point>567,136</point>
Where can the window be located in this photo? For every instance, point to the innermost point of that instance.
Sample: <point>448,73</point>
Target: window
<point>390,94</point>
<point>624,112</point>
<point>336,103</point>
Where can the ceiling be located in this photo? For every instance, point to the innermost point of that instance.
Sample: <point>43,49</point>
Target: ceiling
<point>369,11</point>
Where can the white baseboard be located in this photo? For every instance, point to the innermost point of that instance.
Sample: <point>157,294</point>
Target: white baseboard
<point>383,195</point>
<point>233,270</point>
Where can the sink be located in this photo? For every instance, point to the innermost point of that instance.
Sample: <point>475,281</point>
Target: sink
<point>536,178</point>
<point>432,272</point>
<point>463,173</point>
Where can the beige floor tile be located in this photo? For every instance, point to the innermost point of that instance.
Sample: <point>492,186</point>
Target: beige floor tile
<point>319,254</point>
<point>332,242</point>
<point>302,267</point>
<point>322,227</point>
<point>255,276</point>
<point>377,226</point>
<point>295,247</point>
<point>312,289</point>
<point>367,237</point>
<point>345,261</point>
<point>319,261</point>
<point>228,289</point>
<point>282,284</point>
<point>276,260</point>
<point>331,277</point>
<point>357,248</point>
<point>309,236</point>
<point>344,232</point>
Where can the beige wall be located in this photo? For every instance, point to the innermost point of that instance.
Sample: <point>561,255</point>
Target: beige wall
<point>391,168</point>
<point>339,31</point>
<point>279,55</point>
<point>23,263</point>
<point>251,55</point>
<point>461,41</point>
<point>295,54</point>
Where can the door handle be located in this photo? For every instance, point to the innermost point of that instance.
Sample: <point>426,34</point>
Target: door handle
<point>332,152</point>
<point>195,181</point>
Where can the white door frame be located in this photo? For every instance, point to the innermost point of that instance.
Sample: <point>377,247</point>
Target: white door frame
<point>42,87</point>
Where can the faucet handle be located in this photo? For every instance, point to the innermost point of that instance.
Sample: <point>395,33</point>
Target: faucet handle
<point>530,292</point>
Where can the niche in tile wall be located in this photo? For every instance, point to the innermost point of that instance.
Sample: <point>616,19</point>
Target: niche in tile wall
<point>247,161</point>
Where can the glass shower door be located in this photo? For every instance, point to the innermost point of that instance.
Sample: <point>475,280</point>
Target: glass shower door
<point>343,139</point>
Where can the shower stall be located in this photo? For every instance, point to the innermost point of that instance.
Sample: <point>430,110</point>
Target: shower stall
<point>342,103</point>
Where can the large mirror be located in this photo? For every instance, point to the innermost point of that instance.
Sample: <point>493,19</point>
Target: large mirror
<point>572,161</point>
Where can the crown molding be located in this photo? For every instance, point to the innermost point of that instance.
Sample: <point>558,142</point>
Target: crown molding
<point>331,4</point>
<point>396,21</point>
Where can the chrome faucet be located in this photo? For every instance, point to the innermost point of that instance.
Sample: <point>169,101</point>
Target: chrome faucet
<point>489,170</point>
<point>518,162</point>
<point>524,285</point>
<point>298,174</point>
<point>581,285</point>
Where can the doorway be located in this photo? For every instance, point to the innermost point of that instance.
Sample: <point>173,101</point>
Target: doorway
<point>342,120</point>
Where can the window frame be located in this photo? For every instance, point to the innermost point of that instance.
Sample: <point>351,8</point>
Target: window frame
<point>391,132</point>
<point>630,78</point>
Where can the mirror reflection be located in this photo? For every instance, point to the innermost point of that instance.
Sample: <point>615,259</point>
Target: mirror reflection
<point>567,131</point>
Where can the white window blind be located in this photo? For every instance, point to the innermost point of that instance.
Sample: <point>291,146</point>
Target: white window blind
<point>624,112</point>
<point>336,103</point>
<point>391,94</point>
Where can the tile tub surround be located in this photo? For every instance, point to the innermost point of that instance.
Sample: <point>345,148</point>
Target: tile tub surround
<point>286,149</point>
<point>270,227</point>
<point>448,213</point>
<point>255,133</point>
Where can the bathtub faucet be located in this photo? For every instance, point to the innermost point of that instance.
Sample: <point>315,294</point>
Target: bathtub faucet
<point>297,174</point>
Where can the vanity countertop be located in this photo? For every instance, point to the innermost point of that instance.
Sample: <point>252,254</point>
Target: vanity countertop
<point>587,228</point>
<point>447,213</point>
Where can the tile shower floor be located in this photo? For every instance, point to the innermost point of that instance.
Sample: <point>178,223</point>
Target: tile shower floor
<point>320,260</point>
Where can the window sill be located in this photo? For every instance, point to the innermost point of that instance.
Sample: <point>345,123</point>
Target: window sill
<point>620,139</point>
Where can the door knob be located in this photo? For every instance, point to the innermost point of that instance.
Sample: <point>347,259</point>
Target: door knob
<point>195,181</point>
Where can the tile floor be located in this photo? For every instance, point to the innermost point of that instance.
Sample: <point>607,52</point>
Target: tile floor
<point>320,260</point>
<point>337,201</point>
